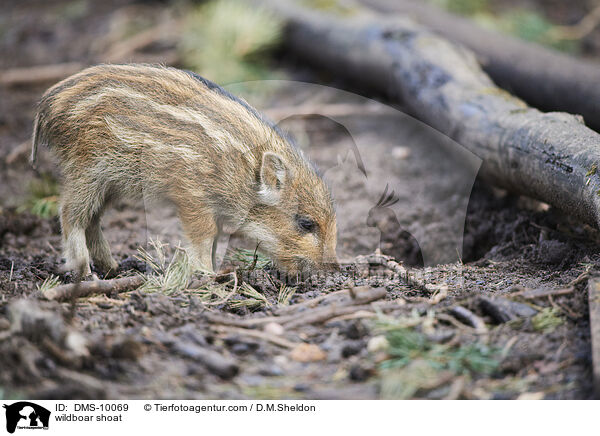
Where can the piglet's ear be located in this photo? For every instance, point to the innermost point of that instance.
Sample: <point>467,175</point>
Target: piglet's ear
<point>273,176</point>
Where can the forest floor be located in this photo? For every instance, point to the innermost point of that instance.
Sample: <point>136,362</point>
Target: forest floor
<point>496,306</point>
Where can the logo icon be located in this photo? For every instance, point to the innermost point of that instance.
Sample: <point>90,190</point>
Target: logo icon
<point>26,415</point>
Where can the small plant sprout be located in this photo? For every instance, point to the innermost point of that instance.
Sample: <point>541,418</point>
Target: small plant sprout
<point>50,282</point>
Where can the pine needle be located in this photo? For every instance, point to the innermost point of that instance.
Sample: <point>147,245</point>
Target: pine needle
<point>285,295</point>
<point>254,298</point>
<point>168,276</point>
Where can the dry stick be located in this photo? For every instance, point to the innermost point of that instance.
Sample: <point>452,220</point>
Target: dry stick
<point>594,308</point>
<point>456,388</point>
<point>356,315</point>
<point>452,320</point>
<point>323,315</point>
<point>313,316</point>
<point>334,310</point>
<point>509,344</point>
<point>122,50</point>
<point>220,365</point>
<point>409,277</point>
<point>20,150</point>
<point>97,387</point>
<point>277,340</point>
<point>119,52</point>
<point>530,294</point>
<point>470,318</point>
<point>38,74</point>
<point>572,315</point>
<point>579,30</point>
<point>581,277</point>
<point>85,289</point>
<point>541,292</point>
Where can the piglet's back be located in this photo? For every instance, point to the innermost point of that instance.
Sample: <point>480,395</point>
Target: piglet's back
<point>127,130</point>
<point>133,107</point>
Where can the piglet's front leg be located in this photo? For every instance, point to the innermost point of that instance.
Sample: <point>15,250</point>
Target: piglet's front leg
<point>201,230</point>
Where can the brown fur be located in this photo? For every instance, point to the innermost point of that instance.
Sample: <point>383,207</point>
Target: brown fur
<point>139,130</point>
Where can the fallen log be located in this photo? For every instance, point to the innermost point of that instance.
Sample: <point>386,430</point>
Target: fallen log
<point>546,79</point>
<point>552,157</point>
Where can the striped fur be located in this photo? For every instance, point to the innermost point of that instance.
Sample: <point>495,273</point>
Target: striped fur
<point>140,130</point>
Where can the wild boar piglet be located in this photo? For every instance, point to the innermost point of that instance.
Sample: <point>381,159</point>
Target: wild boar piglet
<point>156,132</point>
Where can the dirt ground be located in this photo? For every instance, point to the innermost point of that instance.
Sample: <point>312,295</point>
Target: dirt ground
<point>480,251</point>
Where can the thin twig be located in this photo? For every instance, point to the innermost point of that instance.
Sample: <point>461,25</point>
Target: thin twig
<point>509,344</point>
<point>20,150</point>
<point>359,314</point>
<point>407,275</point>
<point>38,74</point>
<point>563,309</point>
<point>469,317</point>
<point>85,289</point>
<point>277,340</point>
<point>123,50</point>
<point>456,323</point>
<point>531,294</point>
<point>580,30</point>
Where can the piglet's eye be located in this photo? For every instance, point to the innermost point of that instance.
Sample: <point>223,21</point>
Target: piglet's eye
<point>306,224</point>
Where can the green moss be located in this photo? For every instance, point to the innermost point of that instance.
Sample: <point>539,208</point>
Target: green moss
<point>407,345</point>
<point>547,320</point>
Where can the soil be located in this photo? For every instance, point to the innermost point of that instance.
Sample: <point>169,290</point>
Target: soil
<point>464,239</point>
